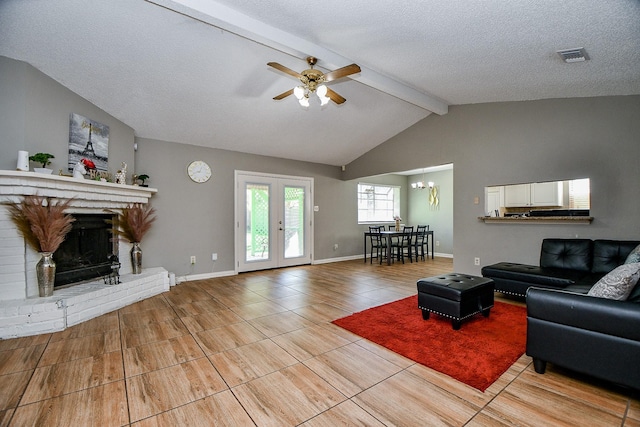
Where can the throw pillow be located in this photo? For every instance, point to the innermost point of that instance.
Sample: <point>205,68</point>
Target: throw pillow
<point>634,256</point>
<point>618,284</point>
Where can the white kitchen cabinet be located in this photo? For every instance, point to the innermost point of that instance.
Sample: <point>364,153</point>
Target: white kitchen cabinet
<point>533,195</point>
<point>517,195</point>
<point>494,201</point>
<point>546,194</point>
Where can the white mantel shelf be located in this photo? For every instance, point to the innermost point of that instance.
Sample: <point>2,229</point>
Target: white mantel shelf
<point>86,194</point>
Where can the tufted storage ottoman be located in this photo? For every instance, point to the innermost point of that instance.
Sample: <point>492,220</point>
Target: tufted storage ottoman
<point>456,296</point>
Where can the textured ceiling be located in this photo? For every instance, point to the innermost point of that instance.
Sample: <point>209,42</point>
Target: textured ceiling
<point>194,71</point>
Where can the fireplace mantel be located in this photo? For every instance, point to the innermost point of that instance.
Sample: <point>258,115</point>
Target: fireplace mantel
<point>85,193</point>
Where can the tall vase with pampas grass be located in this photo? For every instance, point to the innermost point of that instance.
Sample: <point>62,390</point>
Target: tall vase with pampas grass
<point>44,225</point>
<point>133,223</point>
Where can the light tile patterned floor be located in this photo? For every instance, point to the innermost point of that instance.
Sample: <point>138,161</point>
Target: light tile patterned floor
<point>257,349</point>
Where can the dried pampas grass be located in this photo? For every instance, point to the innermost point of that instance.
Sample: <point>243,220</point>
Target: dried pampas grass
<point>42,222</point>
<point>134,221</point>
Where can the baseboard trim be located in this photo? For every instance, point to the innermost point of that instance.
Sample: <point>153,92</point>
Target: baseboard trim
<point>204,276</point>
<point>345,258</point>
<point>361,256</point>
<point>443,255</point>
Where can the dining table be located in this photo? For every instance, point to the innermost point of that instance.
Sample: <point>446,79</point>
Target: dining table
<point>388,235</point>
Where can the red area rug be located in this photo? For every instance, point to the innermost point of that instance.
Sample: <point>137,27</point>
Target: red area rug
<point>477,354</point>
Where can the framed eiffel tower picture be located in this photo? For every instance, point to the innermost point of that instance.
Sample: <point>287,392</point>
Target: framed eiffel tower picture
<point>88,139</point>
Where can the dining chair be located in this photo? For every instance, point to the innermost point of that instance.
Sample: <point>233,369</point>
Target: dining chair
<point>394,239</point>
<point>404,244</point>
<point>419,241</point>
<point>377,243</point>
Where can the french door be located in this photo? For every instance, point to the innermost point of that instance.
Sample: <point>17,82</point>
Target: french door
<point>273,221</point>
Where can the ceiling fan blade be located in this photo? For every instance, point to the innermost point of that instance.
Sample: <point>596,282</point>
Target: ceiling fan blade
<point>341,72</point>
<point>283,95</point>
<point>338,99</point>
<point>284,69</point>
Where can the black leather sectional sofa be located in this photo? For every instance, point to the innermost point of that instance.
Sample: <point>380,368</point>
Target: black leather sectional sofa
<point>565,326</point>
<point>574,265</point>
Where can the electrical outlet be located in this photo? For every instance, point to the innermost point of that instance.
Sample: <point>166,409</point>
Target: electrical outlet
<point>437,242</point>
<point>476,261</point>
<point>335,247</point>
<point>193,259</point>
<point>214,256</point>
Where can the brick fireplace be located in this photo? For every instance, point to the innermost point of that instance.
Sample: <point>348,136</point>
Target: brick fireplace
<point>22,311</point>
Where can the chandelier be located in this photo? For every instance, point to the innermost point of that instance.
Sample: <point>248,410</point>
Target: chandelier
<point>419,185</point>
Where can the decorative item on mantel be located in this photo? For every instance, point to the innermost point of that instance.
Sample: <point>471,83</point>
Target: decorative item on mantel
<point>44,226</point>
<point>142,178</point>
<point>397,219</point>
<point>121,175</point>
<point>43,159</point>
<point>81,168</point>
<point>132,224</point>
<point>23,161</point>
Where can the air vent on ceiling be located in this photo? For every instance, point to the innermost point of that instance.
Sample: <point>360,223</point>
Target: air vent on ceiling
<point>574,55</point>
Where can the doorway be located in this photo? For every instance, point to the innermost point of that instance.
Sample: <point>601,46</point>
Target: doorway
<point>273,221</point>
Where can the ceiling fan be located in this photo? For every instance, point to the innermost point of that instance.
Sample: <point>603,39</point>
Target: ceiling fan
<point>313,82</point>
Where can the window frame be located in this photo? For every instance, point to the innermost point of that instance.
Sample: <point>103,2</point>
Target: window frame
<point>382,212</point>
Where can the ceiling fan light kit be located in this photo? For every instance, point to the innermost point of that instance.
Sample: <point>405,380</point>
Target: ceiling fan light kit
<point>313,81</point>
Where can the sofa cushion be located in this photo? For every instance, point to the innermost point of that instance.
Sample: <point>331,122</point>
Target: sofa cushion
<point>634,256</point>
<point>556,277</point>
<point>585,283</point>
<point>570,254</point>
<point>618,284</point>
<point>608,254</point>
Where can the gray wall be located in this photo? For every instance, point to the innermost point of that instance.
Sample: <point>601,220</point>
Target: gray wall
<point>489,144</point>
<point>439,218</point>
<point>34,116</point>
<point>197,219</point>
<point>513,142</point>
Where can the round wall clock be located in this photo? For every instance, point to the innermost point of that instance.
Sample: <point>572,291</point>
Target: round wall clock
<point>199,171</point>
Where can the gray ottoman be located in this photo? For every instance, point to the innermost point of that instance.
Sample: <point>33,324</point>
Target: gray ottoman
<point>456,296</point>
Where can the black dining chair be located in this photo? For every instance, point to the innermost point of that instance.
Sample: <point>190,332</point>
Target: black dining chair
<point>404,245</point>
<point>419,241</point>
<point>378,245</point>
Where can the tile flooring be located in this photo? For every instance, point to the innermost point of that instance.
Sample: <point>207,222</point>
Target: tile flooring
<point>258,349</point>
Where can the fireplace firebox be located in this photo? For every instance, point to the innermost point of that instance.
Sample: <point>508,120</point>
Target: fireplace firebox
<point>87,250</point>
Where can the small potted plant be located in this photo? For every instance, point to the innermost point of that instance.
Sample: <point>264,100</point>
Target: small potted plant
<point>143,178</point>
<point>43,159</point>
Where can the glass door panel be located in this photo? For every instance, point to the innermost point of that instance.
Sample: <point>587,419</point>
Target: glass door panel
<point>294,222</point>
<point>257,221</point>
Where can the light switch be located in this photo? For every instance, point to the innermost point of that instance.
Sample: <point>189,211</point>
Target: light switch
<point>476,200</point>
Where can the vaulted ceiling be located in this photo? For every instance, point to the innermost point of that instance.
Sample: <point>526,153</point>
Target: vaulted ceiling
<point>194,71</point>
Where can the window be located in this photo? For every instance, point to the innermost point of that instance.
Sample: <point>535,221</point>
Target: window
<point>579,194</point>
<point>377,203</point>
